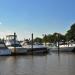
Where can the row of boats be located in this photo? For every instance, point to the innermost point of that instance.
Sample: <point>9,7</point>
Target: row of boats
<point>11,47</point>
<point>19,50</point>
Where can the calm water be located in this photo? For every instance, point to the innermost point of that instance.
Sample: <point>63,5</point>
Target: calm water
<point>51,64</point>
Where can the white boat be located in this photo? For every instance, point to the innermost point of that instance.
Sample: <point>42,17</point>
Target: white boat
<point>4,50</point>
<point>36,49</point>
<point>62,48</point>
<point>14,46</point>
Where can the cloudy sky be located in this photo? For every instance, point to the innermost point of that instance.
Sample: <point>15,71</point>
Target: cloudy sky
<point>35,16</point>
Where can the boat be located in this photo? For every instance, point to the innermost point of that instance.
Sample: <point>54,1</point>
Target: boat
<point>14,45</point>
<point>35,49</point>
<point>62,48</point>
<point>4,51</point>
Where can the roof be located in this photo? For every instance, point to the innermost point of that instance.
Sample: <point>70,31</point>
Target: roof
<point>9,35</point>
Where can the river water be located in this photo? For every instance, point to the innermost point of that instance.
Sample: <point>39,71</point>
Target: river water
<point>51,64</point>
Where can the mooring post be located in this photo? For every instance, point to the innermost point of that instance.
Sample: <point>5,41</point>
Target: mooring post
<point>58,42</point>
<point>32,43</point>
<point>68,43</point>
<point>45,40</point>
<point>14,42</point>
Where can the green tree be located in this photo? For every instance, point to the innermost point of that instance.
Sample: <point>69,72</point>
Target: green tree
<point>58,37</point>
<point>38,40</point>
<point>70,35</point>
<point>45,39</point>
<point>53,38</point>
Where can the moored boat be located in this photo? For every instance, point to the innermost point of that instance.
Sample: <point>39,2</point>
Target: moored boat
<point>62,48</point>
<point>14,45</point>
<point>4,50</point>
<point>36,49</point>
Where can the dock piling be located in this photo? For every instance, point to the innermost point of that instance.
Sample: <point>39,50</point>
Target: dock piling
<point>32,43</point>
<point>14,42</point>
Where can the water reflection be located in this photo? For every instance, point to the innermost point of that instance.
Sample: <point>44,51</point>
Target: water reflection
<point>53,64</point>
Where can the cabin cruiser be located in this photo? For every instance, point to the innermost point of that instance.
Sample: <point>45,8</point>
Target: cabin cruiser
<point>62,48</point>
<point>4,50</point>
<point>35,48</point>
<point>14,44</point>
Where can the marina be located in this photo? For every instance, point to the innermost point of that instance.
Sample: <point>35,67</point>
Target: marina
<point>37,37</point>
<point>17,49</point>
<point>12,47</point>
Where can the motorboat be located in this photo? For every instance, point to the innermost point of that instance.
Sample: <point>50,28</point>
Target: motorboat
<point>35,48</point>
<point>14,45</point>
<point>62,48</point>
<point>4,50</point>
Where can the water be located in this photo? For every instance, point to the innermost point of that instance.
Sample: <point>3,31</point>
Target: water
<point>52,64</point>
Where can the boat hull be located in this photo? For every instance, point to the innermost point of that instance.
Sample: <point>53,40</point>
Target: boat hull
<point>37,50</point>
<point>5,52</point>
<point>18,50</point>
<point>62,49</point>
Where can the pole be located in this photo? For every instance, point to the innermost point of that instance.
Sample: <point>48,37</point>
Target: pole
<point>45,40</point>
<point>14,42</point>
<point>58,45</point>
<point>58,42</point>
<point>67,41</point>
<point>32,43</point>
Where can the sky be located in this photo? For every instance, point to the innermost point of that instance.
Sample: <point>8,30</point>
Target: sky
<point>35,16</point>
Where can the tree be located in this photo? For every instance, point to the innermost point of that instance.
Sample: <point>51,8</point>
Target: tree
<point>53,38</point>
<point>45,38</point>
<point>38,40</point>
<point>50,38</point>
<point>70,35</point>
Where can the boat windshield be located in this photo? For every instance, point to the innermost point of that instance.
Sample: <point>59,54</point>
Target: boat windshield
<point>16,45</point>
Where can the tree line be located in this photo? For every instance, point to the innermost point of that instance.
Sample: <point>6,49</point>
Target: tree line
<point>52,38</point>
